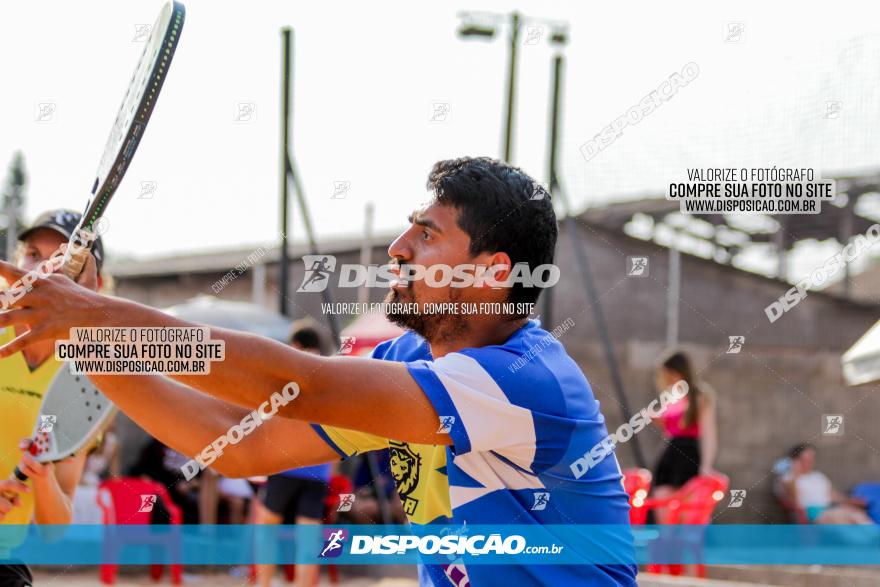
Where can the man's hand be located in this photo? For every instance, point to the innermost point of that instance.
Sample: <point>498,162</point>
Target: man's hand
<point>39,472</point>
<point>89,276</point>
<point>53,305</point>
<point>9,491</point>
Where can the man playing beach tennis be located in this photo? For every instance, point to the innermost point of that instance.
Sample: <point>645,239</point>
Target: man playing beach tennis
<point>483,413</point>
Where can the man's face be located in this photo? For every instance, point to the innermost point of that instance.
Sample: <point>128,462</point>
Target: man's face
<point>433,238</point>
<point>39,246</point>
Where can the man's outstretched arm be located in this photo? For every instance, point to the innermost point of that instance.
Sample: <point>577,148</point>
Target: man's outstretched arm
<point>189,421</point>
<point>379,397</point>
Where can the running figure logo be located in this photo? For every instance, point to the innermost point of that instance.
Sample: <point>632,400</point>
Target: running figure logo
<point>148,190</point>
<point>47,422</point>
<point>832,424</point>
<point>541,500</point>
<point>346,501</point>
<point>533,35</point>
<point>340,189</point>
<point>318,270</point>
<point>45,112</point>
<point>637,267</point>
<point>147,502</point>
<point>142,33</point>
<point>346,344</point>
<point>735,32</point>
<point>736,344</point>
<point>737,496</point>
<point>439,112</point>
<point>446,424</point>
<point>833,108</point>
<point>333,541</point>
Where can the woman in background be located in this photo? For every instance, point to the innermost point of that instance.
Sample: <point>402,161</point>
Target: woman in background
<point>690,427</point>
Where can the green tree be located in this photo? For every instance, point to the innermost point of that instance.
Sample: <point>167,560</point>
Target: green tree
<point>13,203</point>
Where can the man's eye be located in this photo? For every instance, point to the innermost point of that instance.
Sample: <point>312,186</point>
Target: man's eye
<point>425,235</point>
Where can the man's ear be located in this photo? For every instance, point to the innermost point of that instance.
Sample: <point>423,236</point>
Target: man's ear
<point>499,267</point>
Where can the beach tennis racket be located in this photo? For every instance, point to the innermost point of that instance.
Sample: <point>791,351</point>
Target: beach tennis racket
<point>73,414</point>
<point>137,106</point>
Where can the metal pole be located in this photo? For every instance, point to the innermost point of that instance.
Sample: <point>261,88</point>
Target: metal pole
<point>258,284</point>
<point>511,86</point>
<point>847,230</point>
<point>580,253</point>
<point>547,306</point>
<point>673,293</point>
<point>781,241</point>
<point>285,156</point>
<point>366,249</point>
<point>554,121</point>
<point>326,294</point>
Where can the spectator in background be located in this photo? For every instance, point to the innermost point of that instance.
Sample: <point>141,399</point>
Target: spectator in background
<point>102,463</point>
<point>691,429</point>
<point>812,492</point>
<point>236,494</point>
<point>295,496</point>
<point>159,463</point>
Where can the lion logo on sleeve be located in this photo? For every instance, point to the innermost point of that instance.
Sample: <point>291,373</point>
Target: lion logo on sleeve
<point>405,467</point>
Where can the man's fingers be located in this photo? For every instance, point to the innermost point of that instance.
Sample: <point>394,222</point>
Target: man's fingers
<point>31,468</point>
<point>16,317</point>
<point>89,276</point>
<point>21,342</point>
<point>10,272</point>
<point>9,488</point>
<point>7,504</point>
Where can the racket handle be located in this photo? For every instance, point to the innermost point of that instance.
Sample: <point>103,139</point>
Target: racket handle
<point>76,256</point>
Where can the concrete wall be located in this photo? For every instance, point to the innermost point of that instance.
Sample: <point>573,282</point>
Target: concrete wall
<point>770,396</point>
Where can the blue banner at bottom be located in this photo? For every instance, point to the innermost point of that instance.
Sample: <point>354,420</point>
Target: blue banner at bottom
<point>440,544</point>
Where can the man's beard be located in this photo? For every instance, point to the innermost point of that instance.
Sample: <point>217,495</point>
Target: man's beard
<point>431,327</point>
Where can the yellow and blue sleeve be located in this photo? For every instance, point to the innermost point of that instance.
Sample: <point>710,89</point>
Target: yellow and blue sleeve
<point>349,442</point>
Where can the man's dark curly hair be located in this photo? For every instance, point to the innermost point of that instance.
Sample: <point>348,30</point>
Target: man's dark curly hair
<point>501,209</point>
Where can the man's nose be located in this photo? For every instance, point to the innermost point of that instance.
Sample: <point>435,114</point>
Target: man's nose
<point>400,248</point>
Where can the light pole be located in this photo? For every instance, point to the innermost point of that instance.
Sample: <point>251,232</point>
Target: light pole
<point>284,261</point>
<point>484,25</point>
<point>558,39</point>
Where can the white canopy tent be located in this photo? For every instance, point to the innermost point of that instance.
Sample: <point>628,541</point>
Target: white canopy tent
<point>861,363</point>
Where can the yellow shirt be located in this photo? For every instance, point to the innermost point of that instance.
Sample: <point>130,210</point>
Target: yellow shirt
<point>21,394</point>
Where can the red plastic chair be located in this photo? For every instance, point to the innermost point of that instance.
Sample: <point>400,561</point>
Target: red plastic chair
<point>338,484</point>
<point>692,504</point>
<point>637,484</point>
<point>793,511</point>
<point>121,504</point>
